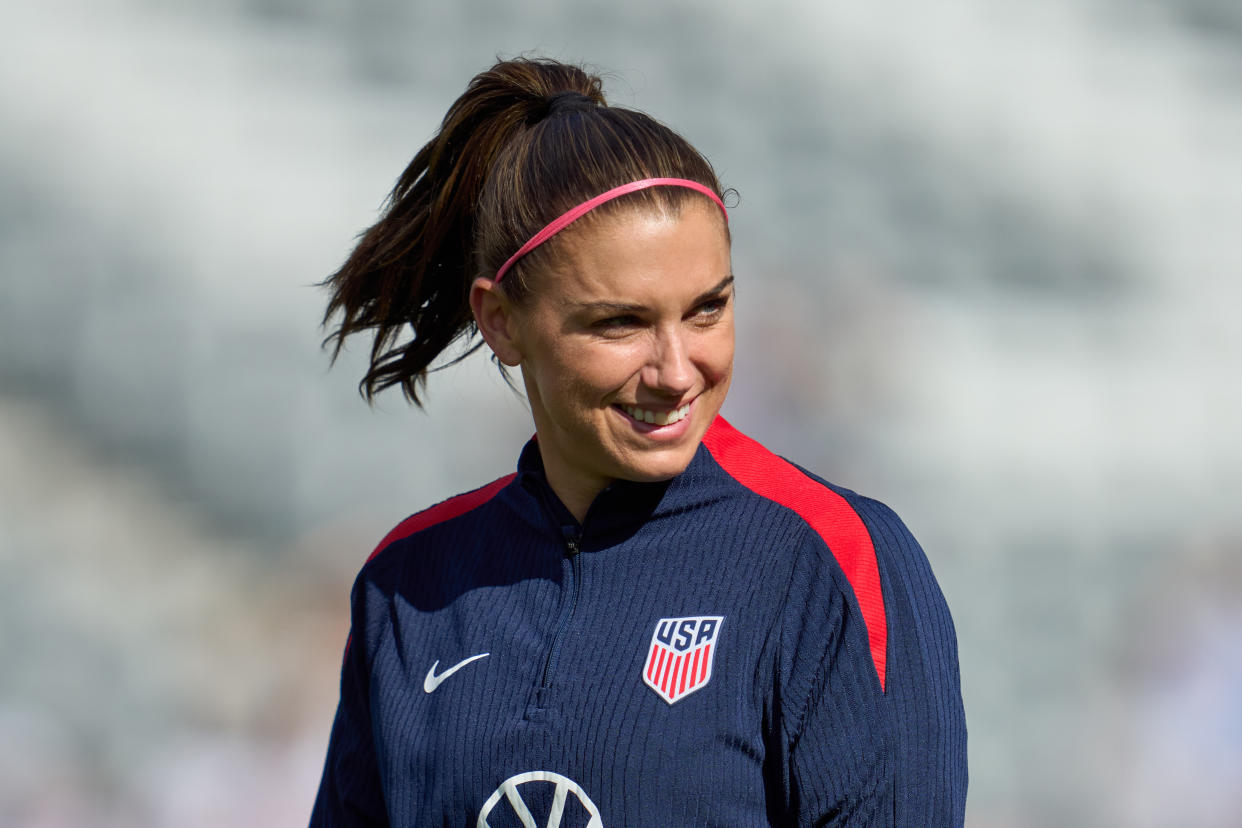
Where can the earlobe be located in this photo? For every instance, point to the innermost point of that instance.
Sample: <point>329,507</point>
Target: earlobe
<point>493,314</point>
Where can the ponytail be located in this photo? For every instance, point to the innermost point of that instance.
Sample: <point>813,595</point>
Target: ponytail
<point>527,139</point>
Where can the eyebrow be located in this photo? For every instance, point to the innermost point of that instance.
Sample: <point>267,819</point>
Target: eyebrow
<point>622,307</point>
<point>720,288</point>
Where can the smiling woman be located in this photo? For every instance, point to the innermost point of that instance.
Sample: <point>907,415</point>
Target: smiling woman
<point>654,621</point>
<point>626,349</point>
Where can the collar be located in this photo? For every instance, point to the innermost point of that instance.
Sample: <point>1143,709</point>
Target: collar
<point>622,509</point>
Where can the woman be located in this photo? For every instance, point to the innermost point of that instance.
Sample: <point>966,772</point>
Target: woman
<point>654,621</point>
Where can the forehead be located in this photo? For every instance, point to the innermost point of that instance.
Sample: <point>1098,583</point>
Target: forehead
<point>633,254</point>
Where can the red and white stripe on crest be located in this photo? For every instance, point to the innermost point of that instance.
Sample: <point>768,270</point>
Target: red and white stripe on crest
<point>680,658</point>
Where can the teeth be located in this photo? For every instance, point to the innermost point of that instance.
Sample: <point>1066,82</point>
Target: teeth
<point>656,417</point>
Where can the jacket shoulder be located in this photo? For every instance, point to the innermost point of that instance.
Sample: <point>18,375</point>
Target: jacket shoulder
<point>825,509</point>
<point>441,512</point>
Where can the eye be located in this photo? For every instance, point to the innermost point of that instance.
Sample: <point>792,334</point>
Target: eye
<point>710,309</point>
<point>616,324</point>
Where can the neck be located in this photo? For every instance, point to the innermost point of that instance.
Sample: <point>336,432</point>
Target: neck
<point>577,499</point>
<point>575,492</point>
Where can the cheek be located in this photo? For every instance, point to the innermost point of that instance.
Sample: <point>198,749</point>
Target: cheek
<point>717,356</point>
<point>589,376</point>
<point>612,368</point>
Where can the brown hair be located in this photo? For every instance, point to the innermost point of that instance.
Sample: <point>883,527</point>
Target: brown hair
<point>528,140</point>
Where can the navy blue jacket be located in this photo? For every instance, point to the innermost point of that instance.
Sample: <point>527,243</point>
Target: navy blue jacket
<point>742,645</point>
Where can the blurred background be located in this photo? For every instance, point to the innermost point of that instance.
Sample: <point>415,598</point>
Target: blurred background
<point>988,257</point>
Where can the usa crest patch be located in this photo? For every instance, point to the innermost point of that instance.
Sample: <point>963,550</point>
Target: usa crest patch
<point>681,655</point>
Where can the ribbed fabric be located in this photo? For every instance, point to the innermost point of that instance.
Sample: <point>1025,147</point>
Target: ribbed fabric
<point>791,728</point>
<point>924,698</point>
<point>826,512</point>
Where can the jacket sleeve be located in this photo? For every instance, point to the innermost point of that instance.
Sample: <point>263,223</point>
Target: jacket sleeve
<point>922,693</point>
<point>833,728</point>
<point>350,793</point>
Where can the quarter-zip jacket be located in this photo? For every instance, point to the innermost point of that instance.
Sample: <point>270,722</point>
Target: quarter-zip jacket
<point>742,645</point>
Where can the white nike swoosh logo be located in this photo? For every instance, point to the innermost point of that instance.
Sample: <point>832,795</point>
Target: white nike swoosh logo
<point>433,681</point>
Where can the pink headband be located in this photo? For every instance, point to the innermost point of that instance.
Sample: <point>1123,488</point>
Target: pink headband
<point>564,220</point>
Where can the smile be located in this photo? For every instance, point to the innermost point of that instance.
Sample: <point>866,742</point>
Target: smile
<point>660,418</point>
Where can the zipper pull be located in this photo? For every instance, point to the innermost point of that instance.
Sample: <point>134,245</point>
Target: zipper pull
<point>571,542</point>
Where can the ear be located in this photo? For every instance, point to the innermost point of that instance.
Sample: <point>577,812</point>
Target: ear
<point>494,316</point>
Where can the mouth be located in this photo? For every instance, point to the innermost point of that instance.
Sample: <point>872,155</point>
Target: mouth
<point>654,417</point>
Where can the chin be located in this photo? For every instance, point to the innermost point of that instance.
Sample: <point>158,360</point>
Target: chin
<point>660,469</point>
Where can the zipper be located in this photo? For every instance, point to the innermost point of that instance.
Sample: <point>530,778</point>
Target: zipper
<point>573,554</point>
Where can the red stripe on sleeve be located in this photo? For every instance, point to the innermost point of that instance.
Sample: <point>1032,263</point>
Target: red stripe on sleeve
<point>446,510</point>
<point>824,510</point>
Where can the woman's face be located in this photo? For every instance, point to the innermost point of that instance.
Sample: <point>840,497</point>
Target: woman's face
<point>626,347</point>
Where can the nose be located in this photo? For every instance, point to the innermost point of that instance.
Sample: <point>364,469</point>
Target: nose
<point>670,369</point>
